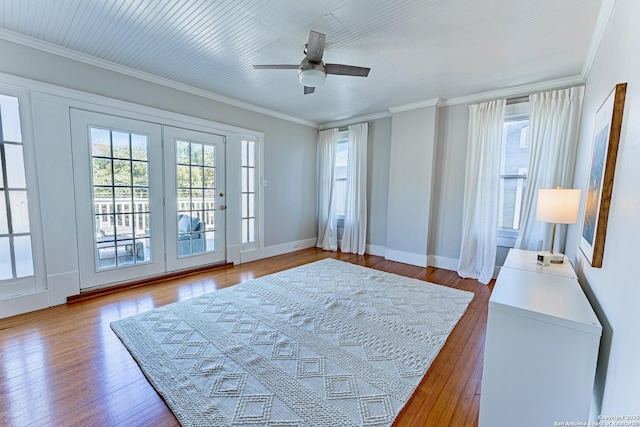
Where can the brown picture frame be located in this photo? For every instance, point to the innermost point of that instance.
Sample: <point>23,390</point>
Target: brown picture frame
<point>604,151</point>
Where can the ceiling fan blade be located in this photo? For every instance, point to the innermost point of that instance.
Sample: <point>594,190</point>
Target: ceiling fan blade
<point>315,47</point>
<point>309,89</point>
<point>276,67</point>
<point>346,70</point>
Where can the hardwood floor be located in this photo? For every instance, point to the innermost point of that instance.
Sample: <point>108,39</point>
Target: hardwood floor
<point>64,366</point>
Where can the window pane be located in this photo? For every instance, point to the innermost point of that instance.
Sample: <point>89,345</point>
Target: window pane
<point>209,178</point>
<point>210,241</point>
<point>245,150</point>
<point>140,174</point>
<point>183,153</point>
<point>10,113</point>
<point>196,176</point>
<point>138,147</point>
<point>252,228</point>
<point>19,211</point>
<point>121,145</point>
<point>245,231</point>
<point>121,172</point>
<point>209,155</point>
<point>196,154</point>
<point>4,226</point>
<point>515,160</point>
<point>184,177</point>
<point>102,172</point>
<point>516,155</point>
<point>252,154</point>
<point>245,205</point>
<point>1,174</point>
<point>6,272</point>
<point>252,180</point>
<point>15,166</point>
<point>100,143</point>
<point>24,259</point>
<point>245,180</point>
<point>251,205</point>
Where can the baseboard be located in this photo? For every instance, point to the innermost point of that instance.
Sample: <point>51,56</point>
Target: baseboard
<point>445,263</point>
<point>275,250</point>
<point>406,257</point>
<point>375,250</point>
<point>23,304</point>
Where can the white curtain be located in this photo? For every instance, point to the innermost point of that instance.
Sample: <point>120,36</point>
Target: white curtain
<point>554,121</point>
<point>481,191</point>
<point>327,220</point>
<point>354,235</point>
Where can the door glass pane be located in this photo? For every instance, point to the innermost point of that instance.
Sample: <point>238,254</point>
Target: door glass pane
<point>121,198</point>
<point>195,170</point>
<point>6,272</point>
<point>10,118</point>
<point>19,211</point>
<point>24,260</point>
<point>248,187</point>
<point>16,259</point>
<point>4,226</point>
<point>15,166</point>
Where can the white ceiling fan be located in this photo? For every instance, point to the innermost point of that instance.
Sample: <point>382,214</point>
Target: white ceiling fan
<point>312,71</point>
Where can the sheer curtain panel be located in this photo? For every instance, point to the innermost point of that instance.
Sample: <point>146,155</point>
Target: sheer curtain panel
<point>554,121</point>
<point>354,236</point>
<point>481,191</point>
<point>327,219</point>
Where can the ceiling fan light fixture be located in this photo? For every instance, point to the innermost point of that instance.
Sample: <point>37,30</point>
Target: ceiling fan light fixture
<point>311,77</point>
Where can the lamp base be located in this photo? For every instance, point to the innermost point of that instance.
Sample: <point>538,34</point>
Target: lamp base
<point>546,258</point>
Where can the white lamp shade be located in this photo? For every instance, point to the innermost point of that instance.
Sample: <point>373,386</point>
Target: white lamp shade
<point>558,205</point>
<point>311,77</point>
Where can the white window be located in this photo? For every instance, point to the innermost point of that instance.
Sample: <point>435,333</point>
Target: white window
<point>514,168</point>
<point>21,254</point>
<point>196,178</point>
<point>249,194</point>
<point>16,257</point>
<point>120,176</point>
<point>342,159</point>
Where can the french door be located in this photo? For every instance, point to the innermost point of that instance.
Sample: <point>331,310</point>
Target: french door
<point>195,197</point>
<point>138,215</point>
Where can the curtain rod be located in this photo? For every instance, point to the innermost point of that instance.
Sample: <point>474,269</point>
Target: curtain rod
<point>517,100</point>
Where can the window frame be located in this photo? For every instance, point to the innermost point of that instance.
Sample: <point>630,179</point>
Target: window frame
<point>516,111</point>
<point>343,139</point>
<point>37,281</point>
<point>258,184</point>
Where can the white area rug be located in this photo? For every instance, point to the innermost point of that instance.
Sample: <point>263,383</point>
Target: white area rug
<point>325,344</point>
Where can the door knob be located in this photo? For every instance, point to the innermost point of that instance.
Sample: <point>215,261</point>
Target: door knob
<point>222,207</point>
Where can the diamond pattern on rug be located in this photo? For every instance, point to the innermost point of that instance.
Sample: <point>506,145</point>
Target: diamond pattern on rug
<point>340,386</point>
<point>324,344</point>
<point>253,409</point>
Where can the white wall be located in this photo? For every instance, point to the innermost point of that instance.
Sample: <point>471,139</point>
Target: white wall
<point>448,192</point>
<point>411,162</point>
<point>379,147</point>
<point>614,289</point>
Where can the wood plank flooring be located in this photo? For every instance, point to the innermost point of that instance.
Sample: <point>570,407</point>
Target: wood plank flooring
<point>63,366</point>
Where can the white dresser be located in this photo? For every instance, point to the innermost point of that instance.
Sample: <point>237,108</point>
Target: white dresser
<point>541,346</point>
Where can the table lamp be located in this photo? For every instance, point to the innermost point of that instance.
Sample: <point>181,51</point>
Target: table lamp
<point>557,206</point>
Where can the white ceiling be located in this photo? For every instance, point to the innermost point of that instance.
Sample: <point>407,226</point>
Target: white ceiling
<point>417,50</point>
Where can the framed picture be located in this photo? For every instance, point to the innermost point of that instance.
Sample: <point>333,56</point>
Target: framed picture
<point>606,137</point>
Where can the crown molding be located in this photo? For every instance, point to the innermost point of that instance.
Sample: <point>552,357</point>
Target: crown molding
<point>353,120</point>
<point>598,32</point>
<point>100,63</point>
<point>516,91</point>
<point>436,102</point>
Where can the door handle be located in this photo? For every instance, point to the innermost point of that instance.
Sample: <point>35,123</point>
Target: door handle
<point>222,207</point>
